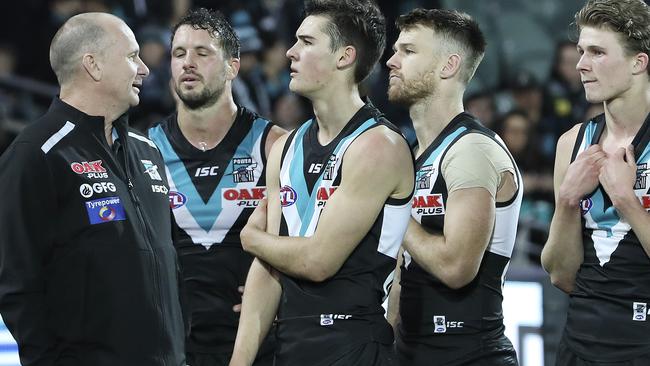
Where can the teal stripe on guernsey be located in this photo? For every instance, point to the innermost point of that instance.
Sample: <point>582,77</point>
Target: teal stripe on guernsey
<point>307,214</point>
<point>589,135</point>
<point>296,171</point>
<point>605,219</point>
<point>434,154</point>
<point>645,156</point>
<point>205,214</point>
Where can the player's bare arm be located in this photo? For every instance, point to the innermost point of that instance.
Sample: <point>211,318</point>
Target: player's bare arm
<point>349,213</point>
<point>262,291</point>
<point>563,253</point>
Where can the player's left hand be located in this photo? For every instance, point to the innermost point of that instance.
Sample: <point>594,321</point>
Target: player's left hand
<point>618,174</point>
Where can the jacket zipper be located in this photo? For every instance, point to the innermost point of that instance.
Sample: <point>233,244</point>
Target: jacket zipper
<point>148,235</point>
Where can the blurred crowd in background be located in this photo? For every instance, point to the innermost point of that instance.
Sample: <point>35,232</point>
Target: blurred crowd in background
<point>527,89</point>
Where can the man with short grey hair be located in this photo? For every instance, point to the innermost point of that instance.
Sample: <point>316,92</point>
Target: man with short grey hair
<point>88,272</point>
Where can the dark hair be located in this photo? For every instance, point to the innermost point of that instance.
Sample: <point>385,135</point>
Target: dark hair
<point>216,24</point>
<point>629,18</point>
<point>454,26</point>
<point>358,23</point>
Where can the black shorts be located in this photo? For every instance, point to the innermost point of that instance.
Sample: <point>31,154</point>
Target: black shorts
<point>223,359</point>
<point>369,354</point>
<point>566,357</point>
<point>492,353</point>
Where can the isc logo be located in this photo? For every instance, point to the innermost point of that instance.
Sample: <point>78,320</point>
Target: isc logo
<point>208,171</point>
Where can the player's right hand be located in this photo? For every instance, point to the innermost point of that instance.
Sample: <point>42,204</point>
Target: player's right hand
<point>581,177</point>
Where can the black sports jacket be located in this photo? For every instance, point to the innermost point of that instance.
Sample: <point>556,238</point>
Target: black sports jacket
<point>88,272</point>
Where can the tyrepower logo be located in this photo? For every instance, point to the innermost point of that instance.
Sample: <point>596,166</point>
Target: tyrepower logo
<point>92,169</point>
<point>87,190</point>
<point>243,197</point>
<point>323,194</point>
<point>429,205</point>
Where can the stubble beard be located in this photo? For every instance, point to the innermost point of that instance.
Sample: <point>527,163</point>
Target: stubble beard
<point>206,98</point>
<point>409,92</point>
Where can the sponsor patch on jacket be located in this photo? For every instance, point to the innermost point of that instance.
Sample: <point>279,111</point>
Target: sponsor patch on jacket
<point>105,209</point>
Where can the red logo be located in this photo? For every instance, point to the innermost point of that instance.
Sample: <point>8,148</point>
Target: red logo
<point>645,201</point>
<point>88,167</point>
<point>244,194</point>
<point>288,196</point>
<point>323,194</point>
<point>434,200</point>
<point>176,199</point>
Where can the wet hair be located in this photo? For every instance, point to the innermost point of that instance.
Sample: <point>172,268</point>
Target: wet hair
<point>455,28</point>
<point>629,18</point>
<point>216,24</point>
<point>79,35</point>
<point>356,23</point>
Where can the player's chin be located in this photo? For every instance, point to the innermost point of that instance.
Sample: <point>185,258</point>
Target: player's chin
<point>134,100</point>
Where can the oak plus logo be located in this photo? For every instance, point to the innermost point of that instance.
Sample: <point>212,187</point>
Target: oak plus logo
<point>323,194</point>
<point>242,197</point>
<point>91,169</point>
<point>645,201</point>
<point>428,205</point>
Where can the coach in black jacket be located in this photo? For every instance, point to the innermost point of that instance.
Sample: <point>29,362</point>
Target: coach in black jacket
<point>88,273</point>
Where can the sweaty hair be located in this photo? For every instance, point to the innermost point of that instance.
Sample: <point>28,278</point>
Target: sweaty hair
<point>456,29</point>
<point>358,23</point>
<point>216,24</point>
<point>629,18</point>
<point>79,35</point>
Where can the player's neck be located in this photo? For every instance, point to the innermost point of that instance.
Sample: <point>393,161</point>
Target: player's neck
<point>334,110</point>
<point>431,115</point>
<point>625,114</point>
<point>205,128</point>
